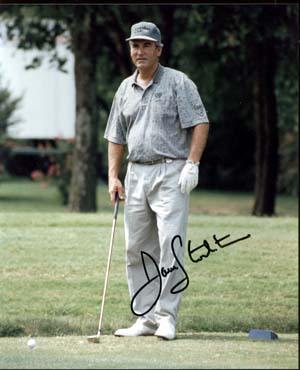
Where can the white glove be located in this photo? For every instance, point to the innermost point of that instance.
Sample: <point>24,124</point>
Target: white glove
<point>188,179</point>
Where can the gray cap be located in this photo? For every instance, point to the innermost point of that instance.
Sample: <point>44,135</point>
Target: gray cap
<point>145,31</point>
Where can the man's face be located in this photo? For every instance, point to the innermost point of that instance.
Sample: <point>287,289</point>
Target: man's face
<point>144,54</point>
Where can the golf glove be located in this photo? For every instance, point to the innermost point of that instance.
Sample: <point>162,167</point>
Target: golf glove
<point>188,179</point>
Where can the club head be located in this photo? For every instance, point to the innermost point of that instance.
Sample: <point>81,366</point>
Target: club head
<point>93,338</point>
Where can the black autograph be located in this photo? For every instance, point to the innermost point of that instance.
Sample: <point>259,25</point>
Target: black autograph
<point>163,272</point>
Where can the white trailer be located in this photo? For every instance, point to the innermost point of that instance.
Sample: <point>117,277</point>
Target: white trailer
<point>47,109</point>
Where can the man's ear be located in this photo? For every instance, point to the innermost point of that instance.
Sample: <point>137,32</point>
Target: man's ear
<point>160,50</point>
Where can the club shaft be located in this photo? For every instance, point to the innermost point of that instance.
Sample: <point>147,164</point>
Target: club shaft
<point>108,266</point>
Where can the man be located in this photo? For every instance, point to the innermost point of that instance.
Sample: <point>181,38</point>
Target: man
<point>158,113</point>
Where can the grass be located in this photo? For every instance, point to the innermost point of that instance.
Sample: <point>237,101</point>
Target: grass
<point>191,351</point>
<point>22,195</point>
<point>52,267</point>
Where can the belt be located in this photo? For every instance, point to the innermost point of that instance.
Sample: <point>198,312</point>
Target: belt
<point>155,161</point>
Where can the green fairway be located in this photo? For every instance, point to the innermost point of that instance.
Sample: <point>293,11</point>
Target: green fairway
<point>23,195</point>
<point>52,267</point>
<point>192,351</point>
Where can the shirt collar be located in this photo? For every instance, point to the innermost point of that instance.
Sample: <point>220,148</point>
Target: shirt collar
<point>158,73</point>
<point>156,77</point>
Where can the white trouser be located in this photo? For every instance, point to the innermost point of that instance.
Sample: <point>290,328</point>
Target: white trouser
<point>155,211</point>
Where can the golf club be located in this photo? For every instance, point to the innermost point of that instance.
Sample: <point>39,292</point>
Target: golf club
<point>96,338</point>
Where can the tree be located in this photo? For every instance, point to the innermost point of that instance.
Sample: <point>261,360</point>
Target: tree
<point>8,107</point>
<point>37,27</point>
<point>92,31</point>
<point>84,177</point>
<point>265,113</point>
<point>227,39</point>
<point>255,38</point>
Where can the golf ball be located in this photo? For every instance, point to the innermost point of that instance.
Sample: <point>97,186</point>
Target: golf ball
<point>31,343</point>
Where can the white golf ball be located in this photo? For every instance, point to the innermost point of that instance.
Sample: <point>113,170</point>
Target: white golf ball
<point>31,343</point>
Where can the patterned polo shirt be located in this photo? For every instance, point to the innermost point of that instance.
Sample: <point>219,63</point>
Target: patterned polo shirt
<point>156,121</point>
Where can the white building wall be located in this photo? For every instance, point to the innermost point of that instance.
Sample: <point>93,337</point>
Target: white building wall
<point>47,110</point>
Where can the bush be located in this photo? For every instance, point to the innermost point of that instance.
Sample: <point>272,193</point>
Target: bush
<point>59,169</point>
<point>8,106</point>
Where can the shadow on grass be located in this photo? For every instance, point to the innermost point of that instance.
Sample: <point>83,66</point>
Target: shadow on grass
<point>45,327</point>
<point>237,338</point>
<point>24,199</point>
<point>63,327</point>
<point>11,330</point>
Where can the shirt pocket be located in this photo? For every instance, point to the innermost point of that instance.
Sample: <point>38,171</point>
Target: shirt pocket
<point>163,105</point>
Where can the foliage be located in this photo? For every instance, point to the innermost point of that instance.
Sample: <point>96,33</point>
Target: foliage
<point>287,94</point>
<point>8,108</point>
<point>211,43</point>
<point>215,50</point>
<point>36,27</point>
<point>59,170</point>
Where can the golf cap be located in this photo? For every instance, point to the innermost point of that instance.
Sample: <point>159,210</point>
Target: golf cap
<point>145,31</point>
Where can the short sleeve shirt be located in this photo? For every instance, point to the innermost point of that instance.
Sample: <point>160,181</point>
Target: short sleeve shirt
<point>155,121</point>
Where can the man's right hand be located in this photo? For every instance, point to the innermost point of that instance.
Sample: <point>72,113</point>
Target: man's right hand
<point>115,186</point>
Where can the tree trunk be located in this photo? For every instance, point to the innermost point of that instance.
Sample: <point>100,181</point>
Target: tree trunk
<point>84,177</point>
<point>266,155</point>
<point>167,31</point>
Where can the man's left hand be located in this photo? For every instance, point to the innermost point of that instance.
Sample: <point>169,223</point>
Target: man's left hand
<point>188,179</point>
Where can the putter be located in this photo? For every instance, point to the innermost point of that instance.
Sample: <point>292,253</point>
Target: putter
<point>96,338</point>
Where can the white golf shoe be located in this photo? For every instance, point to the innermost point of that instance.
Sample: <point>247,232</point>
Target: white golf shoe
<point>166,330</point>
<point>135,330</point>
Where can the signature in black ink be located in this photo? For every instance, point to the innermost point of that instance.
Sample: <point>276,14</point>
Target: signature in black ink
<point>149,282</point>
<point>209,249</point>
<point>164,272</point>
<point>182,284</point>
